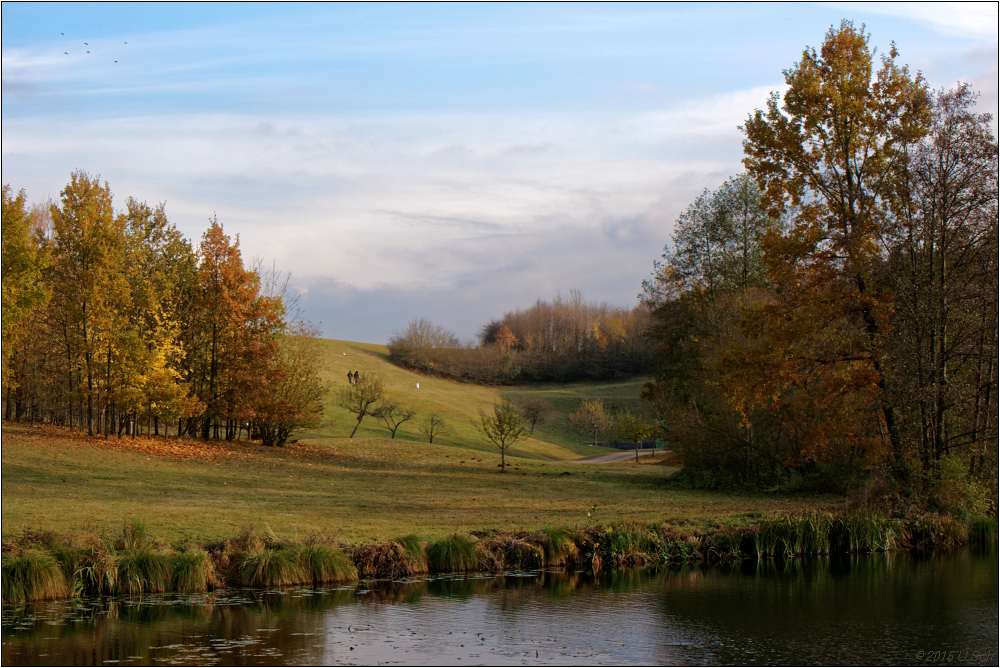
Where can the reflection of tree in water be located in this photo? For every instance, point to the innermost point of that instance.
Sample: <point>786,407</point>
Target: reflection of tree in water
<point>389,591</point>
<point>855,607</point>
<point>240,624</point>
<point>822,610</point>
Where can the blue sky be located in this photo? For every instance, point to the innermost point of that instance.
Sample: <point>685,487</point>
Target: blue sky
<point>446,161</point>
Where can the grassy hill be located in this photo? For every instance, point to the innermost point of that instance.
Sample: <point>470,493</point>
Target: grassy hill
<point>459,404</point>
<point>368,487</point>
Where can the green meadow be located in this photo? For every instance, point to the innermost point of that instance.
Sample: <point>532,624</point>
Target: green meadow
<point>354,490</point>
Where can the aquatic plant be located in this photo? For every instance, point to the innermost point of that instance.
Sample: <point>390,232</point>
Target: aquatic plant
<point>983,531</point>
<point>98,570</point>
<point>414,547</point>
<point>631,544</point>
<point>391,559</point>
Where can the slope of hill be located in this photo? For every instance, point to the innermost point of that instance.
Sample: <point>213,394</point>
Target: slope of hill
<point>459,403</point>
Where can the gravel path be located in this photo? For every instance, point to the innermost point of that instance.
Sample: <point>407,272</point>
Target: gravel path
<point>617,457</point>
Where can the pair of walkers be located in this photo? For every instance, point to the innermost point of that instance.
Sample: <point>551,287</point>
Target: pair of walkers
<point>352,379</point>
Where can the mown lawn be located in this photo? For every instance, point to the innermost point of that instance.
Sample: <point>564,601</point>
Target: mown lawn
<point>354,490</point>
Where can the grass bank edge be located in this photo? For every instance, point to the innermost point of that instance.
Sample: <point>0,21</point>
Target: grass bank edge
<point>41,565</point>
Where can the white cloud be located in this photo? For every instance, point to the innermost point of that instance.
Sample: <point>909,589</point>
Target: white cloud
<point>408,202</point>
<point>966,19</point>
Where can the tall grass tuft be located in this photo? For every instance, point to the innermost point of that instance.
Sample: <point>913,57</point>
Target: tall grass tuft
<point>414,548</point>
<point>392,559</point>
<point>193,571</point>
<point>560,548</point>
<point>453,554</point>
<point>134,536</point>
<point>142,571</point>
<point>631,544</point>
<point>32,575</point>
<point>97,573</point>
<point>322,563</point>
<point>267,568</point>
<point>983,531</point>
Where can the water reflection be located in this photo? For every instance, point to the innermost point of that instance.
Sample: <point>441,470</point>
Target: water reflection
<point>868,610</point>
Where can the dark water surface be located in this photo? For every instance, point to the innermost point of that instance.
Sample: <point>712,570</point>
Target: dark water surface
<point>899,609</point>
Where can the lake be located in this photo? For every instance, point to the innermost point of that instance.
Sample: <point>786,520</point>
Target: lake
<point>897,609</point>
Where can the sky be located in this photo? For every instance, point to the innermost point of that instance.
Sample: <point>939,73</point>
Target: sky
<point>453,161</point>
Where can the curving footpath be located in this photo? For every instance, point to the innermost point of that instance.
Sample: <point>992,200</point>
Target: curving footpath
<point>618,456</point>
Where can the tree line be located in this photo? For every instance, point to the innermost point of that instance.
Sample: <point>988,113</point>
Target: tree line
<point>832,312</point>
<point>566,339</point>
<point>113,322</point>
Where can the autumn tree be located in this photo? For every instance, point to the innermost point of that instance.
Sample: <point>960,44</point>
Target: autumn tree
<point>591,418</point>
<point>362,398</point>
<point>237,332</point>
<point>503,427</point>
<point>86,283</point>
<point>828,152</point>
<point>288,393</point>
<point>24,259</point>
<point>505,339</point>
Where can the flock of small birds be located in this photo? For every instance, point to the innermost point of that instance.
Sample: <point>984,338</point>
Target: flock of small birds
<point>85,44</point>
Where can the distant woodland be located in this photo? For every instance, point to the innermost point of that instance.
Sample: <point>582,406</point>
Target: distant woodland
<point>566,339</point>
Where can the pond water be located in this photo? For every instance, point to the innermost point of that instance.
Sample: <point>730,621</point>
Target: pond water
<point>900,609</point>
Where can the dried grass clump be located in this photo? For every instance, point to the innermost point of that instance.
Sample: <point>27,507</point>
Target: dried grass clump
<point>392,559</point>
<point>194,571</point>
<point>508,553</point>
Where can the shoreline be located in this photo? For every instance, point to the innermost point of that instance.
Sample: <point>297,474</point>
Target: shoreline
<point>42,565</point>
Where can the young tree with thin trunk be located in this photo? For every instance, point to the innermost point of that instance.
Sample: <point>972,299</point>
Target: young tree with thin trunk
<point>591,418</point>
<point>434,425</point>
<point>504,427</point>
<point>534,410</point>
<point>362,398</point>
<point>393,415</point>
